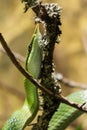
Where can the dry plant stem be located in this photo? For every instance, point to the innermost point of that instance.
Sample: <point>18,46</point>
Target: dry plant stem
<point>34,81</point>
<point>70,83</point>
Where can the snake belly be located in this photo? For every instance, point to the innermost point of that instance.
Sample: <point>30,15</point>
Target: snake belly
<point>21,118</point>
<point>65,114</point>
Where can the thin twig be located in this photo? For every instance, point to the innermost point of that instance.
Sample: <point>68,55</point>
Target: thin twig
<point>12,90</point>
<point>34,81</point>
<point>68,82</point>
<point>75,105</point>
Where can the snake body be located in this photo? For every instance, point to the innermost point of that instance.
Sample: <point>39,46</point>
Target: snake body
<point>66,114</point>
<point>63,116</point>
<point>22,117</point>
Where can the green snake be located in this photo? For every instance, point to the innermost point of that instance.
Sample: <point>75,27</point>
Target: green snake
<point>22,117</point>
<point>63,116</point>
<point>66,114</point>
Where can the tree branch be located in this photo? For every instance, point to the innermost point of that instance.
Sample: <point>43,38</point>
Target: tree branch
<point>34,81</point>
<point>68,82</point>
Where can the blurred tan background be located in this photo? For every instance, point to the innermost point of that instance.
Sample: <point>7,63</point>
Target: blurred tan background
<point>70,55</point>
